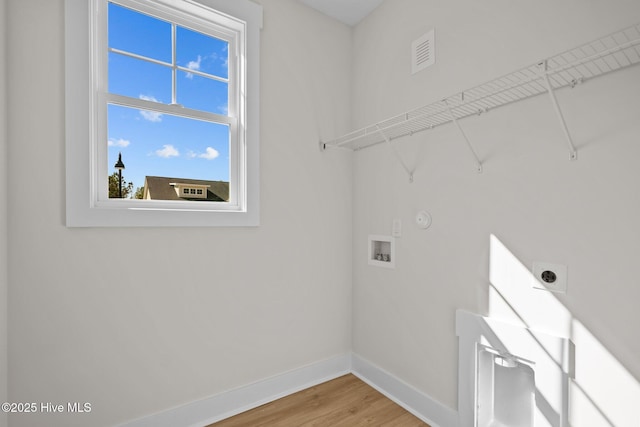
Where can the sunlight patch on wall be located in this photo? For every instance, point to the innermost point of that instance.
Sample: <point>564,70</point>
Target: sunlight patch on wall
<point>602,392</point>
<point>513,299</point>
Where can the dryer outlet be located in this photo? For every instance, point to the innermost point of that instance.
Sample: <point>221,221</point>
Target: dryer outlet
<point>550,277</point>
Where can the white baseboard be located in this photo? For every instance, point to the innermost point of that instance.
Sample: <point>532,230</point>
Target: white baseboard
<point>418,403</point>
<point>227,404</point>
<point>224,405</point>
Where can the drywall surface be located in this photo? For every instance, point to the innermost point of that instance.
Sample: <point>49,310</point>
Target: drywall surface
<point>4,276</point>
<point>531,203</point>
<point>106,316</point>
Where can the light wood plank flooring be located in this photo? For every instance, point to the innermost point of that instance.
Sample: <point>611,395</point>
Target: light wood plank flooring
<point>343,402</point>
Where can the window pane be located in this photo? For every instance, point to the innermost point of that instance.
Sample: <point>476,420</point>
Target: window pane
<point>200,52</point>
<point>138,33</point>
<point>139,79</point>
<point>202,93</point>
<point>173,149</point>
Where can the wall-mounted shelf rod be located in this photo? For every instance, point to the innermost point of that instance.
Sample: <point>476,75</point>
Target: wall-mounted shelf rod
<point>572,148</point>
<point>607,54</point>
<point>395,152</point>
<point>464,136</point>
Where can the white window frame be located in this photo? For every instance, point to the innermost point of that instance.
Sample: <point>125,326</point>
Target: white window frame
<point>85,106</point>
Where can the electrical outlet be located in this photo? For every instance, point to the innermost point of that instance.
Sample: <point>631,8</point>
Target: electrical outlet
<point>549,277</point>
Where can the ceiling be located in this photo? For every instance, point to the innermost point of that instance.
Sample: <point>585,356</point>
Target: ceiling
<point>348,11</point>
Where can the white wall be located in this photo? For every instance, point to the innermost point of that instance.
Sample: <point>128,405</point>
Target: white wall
<point>4,176</point>
<point>102,315</point>
<point>540,205</point>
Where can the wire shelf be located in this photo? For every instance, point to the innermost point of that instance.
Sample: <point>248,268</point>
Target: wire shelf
<point>613,52</point>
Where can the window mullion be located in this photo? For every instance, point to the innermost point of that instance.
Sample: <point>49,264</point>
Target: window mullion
<point>175,110</point>
<point>140,57</point>
<point>202,74</point>
<point>174,68</point>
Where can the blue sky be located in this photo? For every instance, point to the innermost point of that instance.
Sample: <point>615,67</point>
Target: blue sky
<point>158,144</point>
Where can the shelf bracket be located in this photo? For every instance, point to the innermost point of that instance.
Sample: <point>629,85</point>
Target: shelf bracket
<point>464,135</point>
<point>395,152</point>
<point>323,146</point>
<point>572,149</point>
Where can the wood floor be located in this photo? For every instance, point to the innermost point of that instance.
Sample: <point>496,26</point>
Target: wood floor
<point>343,402</point>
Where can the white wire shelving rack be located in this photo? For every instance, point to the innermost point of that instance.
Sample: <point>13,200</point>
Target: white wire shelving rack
<point>603,56</point>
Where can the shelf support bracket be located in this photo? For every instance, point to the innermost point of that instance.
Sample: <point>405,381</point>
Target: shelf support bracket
<point>395,152</point>
<point>464,135</point>
<point>572,149</point>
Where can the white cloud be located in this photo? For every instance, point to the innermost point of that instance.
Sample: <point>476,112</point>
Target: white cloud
<point>118,142</point>
<point>209,154</point>
<point>148,98</point>
<point>167,151</point>
<point>152,116</point>
<point>194,65</point>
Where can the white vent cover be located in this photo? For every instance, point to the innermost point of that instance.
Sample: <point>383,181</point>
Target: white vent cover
<point>423,52</point>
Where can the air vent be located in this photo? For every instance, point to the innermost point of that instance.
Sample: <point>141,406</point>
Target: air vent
<point>423,53</point>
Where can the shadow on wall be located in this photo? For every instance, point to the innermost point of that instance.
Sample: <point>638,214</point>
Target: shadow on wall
<point>601,391</point>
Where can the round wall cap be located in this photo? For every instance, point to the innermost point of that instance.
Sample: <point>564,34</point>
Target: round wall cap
<point>423,219</point>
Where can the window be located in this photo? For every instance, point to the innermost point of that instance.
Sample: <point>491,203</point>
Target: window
<point>162,90</point>
<point>194,191</point>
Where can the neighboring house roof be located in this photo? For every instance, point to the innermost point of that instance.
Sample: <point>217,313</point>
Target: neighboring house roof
<point>161,188</point>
